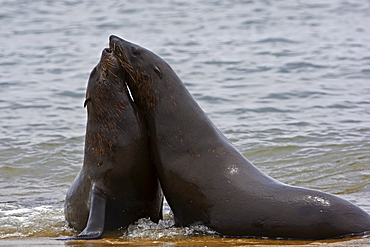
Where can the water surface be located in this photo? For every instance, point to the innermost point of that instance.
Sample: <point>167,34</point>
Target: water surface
<point>286,81</point>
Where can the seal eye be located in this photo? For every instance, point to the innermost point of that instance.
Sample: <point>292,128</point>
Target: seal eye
<point>134,51</point>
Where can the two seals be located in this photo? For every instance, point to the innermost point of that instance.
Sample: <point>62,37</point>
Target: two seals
<point>207,181</point>
<point>117,184</point>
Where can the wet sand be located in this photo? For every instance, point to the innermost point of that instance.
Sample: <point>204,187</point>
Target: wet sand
<point>196,241</point>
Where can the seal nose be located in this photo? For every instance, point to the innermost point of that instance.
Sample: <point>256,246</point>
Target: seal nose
<point>112,37</point>
<point>115,41</point>
<point>112,41</point>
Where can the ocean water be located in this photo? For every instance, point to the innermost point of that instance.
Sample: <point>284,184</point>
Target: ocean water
<point>288,82</point>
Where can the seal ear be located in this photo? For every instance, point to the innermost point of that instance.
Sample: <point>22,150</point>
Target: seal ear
<point>158,71</point>
<point>86,100</point>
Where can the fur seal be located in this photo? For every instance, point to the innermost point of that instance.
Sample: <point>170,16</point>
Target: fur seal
<point>207,181</point>
<point>117,184</point>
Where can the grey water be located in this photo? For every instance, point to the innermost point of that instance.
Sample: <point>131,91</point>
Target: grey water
<point>288,82</point>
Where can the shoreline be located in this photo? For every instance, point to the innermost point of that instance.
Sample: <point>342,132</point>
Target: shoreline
<point>194,241</point>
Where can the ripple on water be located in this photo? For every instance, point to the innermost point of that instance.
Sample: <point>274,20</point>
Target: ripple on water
<point>38,221</point>
<point>278,41</point>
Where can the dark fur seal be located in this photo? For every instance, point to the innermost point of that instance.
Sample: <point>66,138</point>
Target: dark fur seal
<point>117,184</point>
<point>207,181</point>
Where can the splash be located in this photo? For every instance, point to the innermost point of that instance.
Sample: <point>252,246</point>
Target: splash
<point>164,230</point>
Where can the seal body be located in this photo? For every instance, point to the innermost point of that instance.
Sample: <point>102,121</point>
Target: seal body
<point>117,184</point>
<point>207,181</point>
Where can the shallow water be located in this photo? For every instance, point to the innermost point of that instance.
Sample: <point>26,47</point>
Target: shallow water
<point>286,81</point>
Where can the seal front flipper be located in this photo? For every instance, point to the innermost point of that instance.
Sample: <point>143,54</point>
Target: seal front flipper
<point>95,224</point>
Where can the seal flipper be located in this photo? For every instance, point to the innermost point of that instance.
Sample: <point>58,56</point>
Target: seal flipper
<point>95,224</point>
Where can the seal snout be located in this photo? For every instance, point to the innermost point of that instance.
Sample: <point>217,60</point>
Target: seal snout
<point>112,42</point>
<point>113,37</point>
<point>115,41</point>
<point>106,53</point>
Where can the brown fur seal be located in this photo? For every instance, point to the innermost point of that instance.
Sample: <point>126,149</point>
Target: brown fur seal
<point>207,181</point>
<point>117,184</point>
